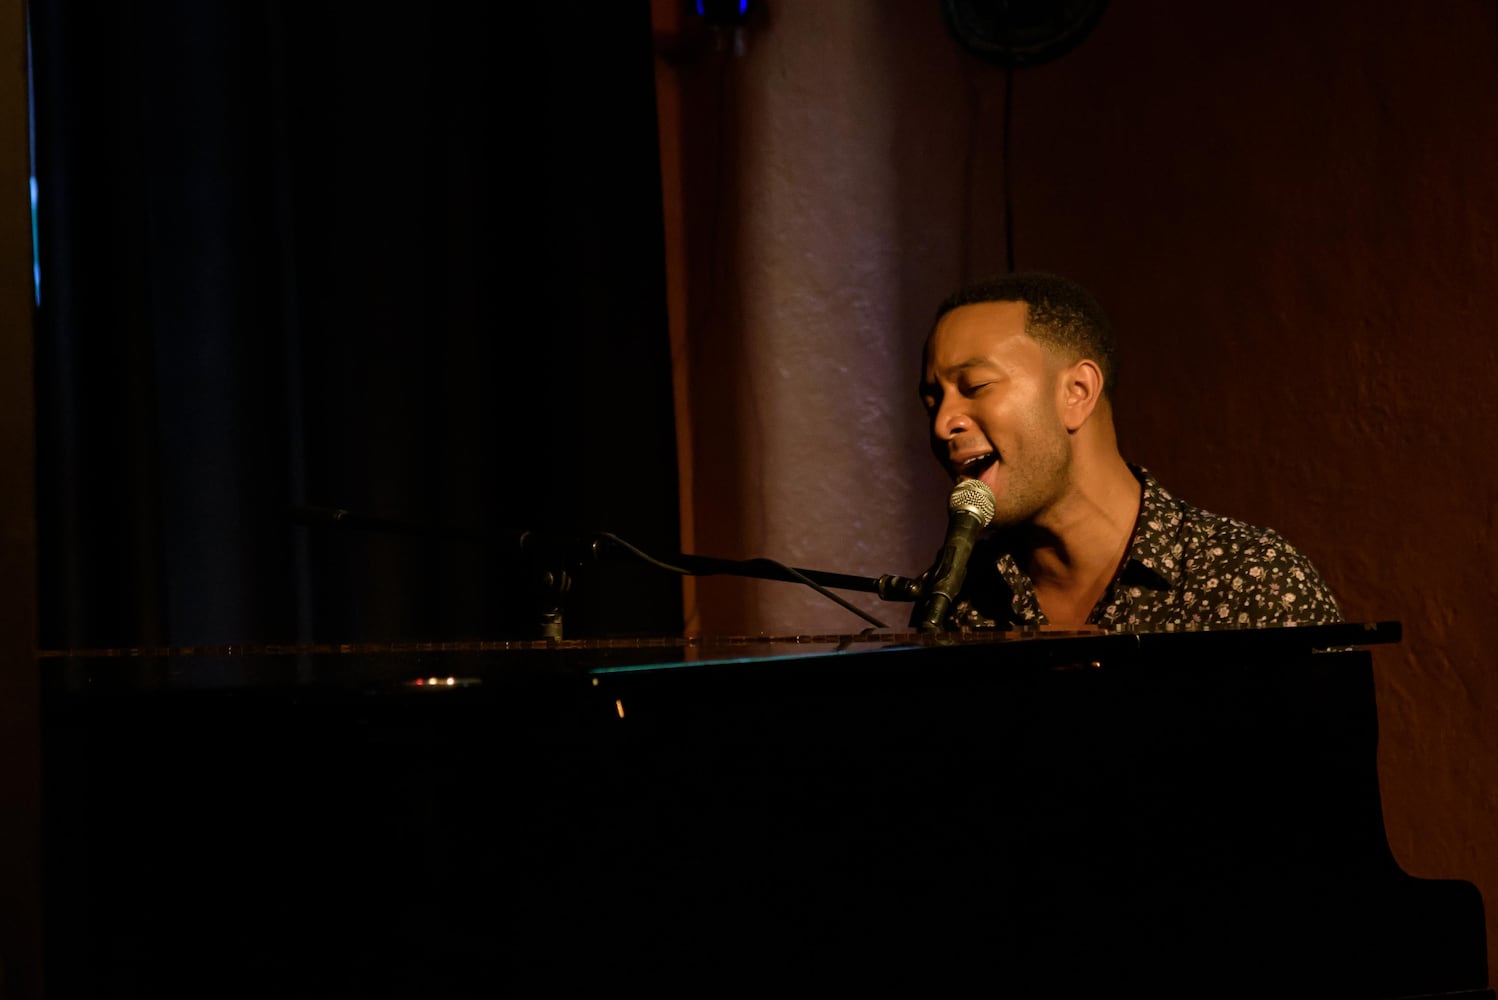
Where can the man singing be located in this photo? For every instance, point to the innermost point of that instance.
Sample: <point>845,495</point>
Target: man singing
<point>1019,375</point>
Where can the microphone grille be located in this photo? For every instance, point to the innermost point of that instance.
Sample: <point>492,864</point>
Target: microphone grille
<point>972,496</point>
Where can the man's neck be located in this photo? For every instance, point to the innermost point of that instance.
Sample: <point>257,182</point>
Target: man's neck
<point>1075,554</point>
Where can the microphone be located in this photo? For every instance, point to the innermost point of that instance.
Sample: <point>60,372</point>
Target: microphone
<point>970,507</point>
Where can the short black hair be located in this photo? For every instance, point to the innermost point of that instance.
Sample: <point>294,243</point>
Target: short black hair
<point>1060,313</point>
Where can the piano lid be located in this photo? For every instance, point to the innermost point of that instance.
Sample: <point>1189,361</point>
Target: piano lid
<point>468,664</point>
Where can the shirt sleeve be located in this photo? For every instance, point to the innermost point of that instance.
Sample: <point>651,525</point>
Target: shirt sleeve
<point>1268,582</point>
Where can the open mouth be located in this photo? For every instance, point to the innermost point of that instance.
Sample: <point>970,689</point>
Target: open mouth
<point>974,467</point>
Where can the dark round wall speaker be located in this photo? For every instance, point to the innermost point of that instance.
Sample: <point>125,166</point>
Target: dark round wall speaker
<point>1021,32</point>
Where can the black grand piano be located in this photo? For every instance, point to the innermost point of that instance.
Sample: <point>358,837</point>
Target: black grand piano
<point>1026,814</point>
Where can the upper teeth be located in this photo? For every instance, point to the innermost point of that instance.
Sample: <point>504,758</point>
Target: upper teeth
<point>976,459</point>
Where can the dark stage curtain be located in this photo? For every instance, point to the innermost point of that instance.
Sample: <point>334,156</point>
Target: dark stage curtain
<point>399,259</point>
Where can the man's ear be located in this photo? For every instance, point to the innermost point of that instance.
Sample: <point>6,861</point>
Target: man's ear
<point>1081,385</point>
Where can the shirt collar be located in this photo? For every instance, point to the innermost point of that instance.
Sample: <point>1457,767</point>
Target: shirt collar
<point>1154,557</point>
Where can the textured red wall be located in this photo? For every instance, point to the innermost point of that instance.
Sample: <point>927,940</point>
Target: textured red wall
<point>1292,218</point>
<point>1294,223</point>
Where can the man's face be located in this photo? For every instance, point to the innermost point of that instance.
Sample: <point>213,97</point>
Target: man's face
<point>993,395</point>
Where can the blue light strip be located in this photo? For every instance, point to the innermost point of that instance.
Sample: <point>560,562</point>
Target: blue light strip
<point>36,245</point>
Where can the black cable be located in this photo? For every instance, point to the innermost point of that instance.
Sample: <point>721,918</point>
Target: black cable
<point>1008,185</point>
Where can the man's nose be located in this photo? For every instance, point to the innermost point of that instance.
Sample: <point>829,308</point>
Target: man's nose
<point>950,420</point>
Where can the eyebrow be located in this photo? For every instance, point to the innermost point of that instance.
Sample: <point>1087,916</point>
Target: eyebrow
<point>976,362</point>
<point>928,384</point>
<point>966,366</point>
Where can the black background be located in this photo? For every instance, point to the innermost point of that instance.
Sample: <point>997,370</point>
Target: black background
<point>400,260</point>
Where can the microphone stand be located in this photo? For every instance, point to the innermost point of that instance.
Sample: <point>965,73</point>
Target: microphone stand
<point>551,562</point>
<point>888,586</point>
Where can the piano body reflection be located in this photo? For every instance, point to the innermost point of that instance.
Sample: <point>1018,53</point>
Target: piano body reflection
<point>1189,813</point>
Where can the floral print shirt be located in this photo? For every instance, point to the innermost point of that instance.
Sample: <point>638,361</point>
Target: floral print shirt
<point>1185,569</point>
